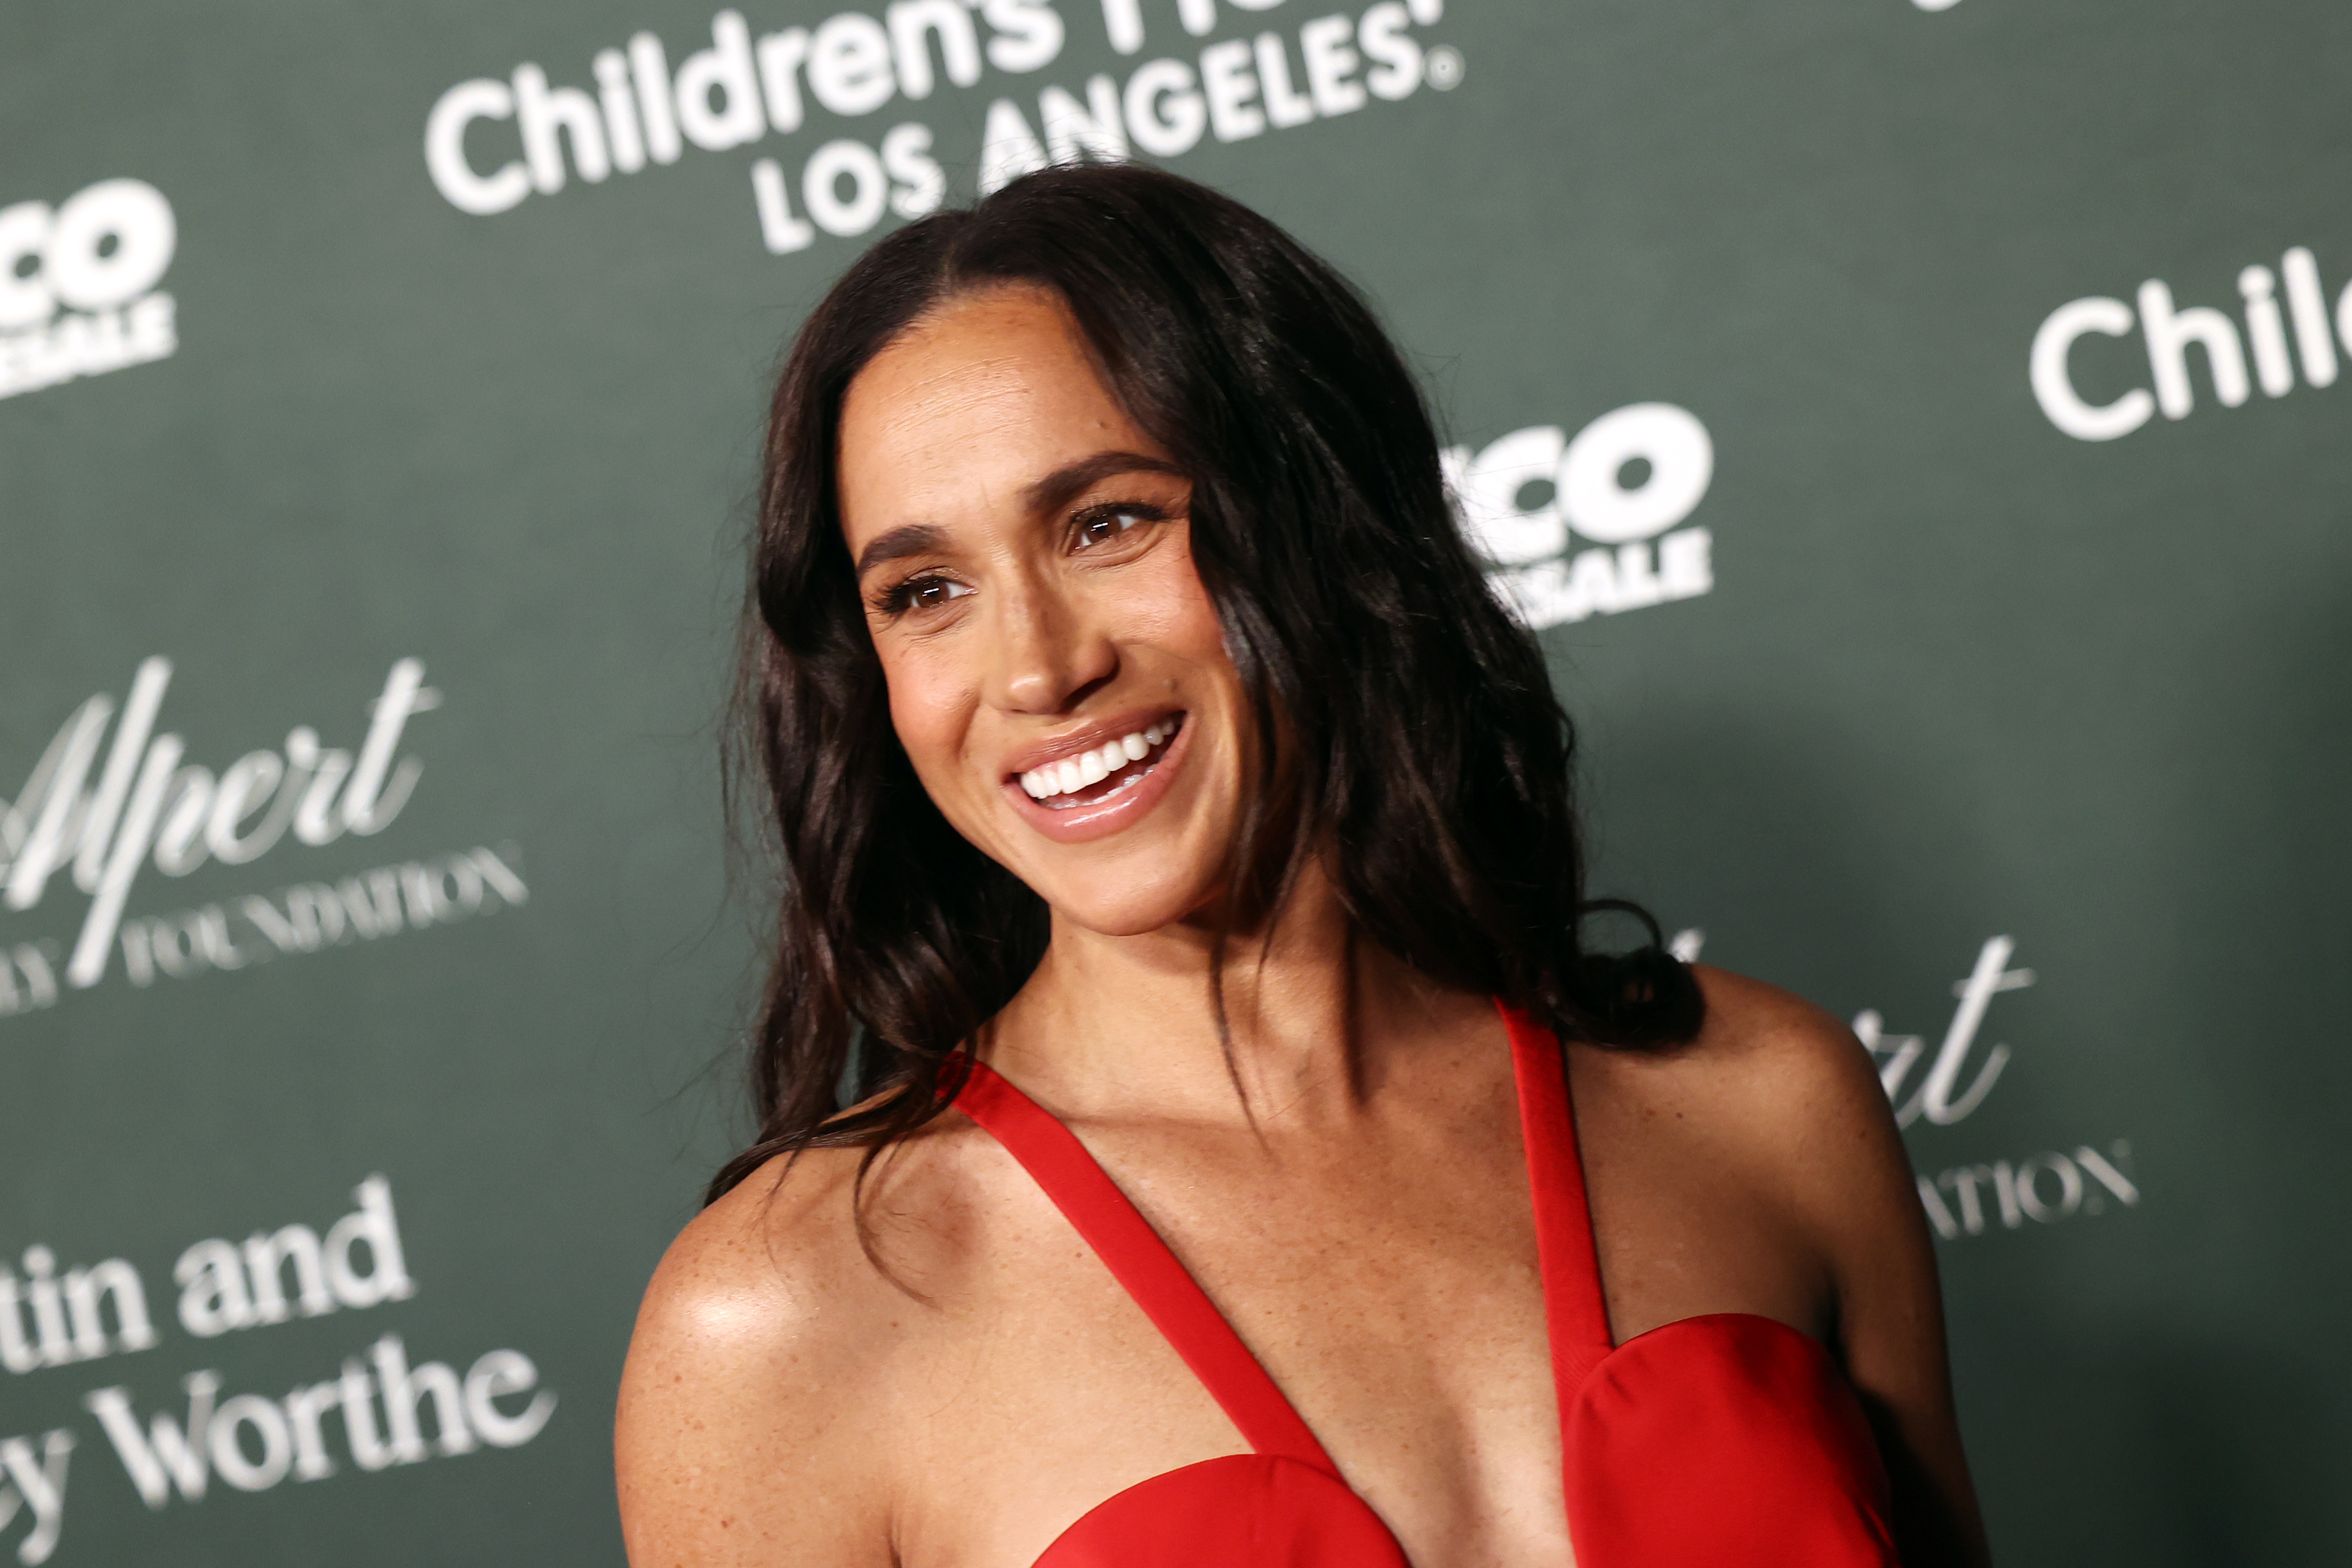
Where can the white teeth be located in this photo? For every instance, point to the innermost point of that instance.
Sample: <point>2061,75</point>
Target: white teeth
<point>1092,767</point>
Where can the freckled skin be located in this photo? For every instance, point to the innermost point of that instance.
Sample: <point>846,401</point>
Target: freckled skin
<point>1359,1208</point>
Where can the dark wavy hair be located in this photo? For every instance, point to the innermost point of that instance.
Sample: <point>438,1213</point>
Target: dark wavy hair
<point>1416,742</point>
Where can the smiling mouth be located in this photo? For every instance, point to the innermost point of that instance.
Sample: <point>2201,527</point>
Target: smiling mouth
<point>1109,770</point>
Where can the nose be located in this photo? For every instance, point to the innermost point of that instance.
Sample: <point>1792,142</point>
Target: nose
<point>1047,653</point>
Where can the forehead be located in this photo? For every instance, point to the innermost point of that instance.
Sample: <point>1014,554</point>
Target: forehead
<point>974,401</point>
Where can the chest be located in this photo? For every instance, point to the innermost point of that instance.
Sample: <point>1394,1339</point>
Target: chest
<point>1394,1297</point>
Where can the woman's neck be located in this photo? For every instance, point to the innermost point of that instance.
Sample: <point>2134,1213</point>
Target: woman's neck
<point>1113,1024</point>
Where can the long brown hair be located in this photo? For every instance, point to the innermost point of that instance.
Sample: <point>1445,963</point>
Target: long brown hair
<point>1420,743</point>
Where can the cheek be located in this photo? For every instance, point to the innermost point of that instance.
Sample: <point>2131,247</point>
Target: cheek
<point>1168,602</point>
<point>931,709</point>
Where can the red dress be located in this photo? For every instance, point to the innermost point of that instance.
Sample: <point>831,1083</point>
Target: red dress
<point>1726,1441</point>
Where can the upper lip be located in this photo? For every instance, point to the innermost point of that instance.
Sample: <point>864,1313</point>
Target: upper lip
<point>1090,738</point>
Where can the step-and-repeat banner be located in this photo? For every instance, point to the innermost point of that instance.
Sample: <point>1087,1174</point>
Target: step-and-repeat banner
<point>1915,424</point>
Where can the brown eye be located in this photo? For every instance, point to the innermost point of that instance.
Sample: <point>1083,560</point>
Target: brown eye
<point>1107,523</point>
<point>919,594</point>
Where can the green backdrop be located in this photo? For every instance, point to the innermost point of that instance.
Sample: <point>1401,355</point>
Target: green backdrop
<point>1917,429</point>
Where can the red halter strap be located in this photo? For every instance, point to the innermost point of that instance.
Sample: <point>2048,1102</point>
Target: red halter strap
<point>1575,1311</point>
<point>1141,1262</point>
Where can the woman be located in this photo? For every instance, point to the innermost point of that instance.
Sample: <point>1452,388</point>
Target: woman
<point>1182,838</point>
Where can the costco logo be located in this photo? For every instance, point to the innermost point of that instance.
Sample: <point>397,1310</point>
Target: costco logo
<point>78,293</point>
<point>1624,484</point>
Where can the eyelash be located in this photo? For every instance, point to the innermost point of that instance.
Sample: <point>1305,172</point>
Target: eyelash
<point>1140,511</point>
<point>899,598</point>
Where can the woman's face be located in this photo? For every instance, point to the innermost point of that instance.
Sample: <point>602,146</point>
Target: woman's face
<point>1057,675</point>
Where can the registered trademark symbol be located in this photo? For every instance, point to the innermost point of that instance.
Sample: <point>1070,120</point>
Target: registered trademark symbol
<point>1444,67</point>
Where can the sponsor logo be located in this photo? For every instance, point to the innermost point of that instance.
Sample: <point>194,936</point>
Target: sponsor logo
<point>1965,1200</point>
<point>2285,306</point>
<point>78,293</point>
<point>1624,484</point>
<point>1239,89</point>
<point>2085,1183</point>
<point>380,1411</point>
<point>99,809</point>
<point>1939,1097</point>
<point>492,143</point>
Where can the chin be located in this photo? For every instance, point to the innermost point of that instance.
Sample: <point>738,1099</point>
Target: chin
<point>1137,914</point>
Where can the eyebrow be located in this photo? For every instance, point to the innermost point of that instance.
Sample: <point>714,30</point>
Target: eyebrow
<point>1049,494</point>
<point>914,538</point>
<point>1056,489</point>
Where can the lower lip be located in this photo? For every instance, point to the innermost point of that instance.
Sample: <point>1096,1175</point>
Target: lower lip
<point>1082,824</point>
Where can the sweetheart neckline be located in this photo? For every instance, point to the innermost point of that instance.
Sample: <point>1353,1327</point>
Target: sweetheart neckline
<point>1811,1339</point>
<point>1250,1457</point>
<point>1817,1442</point>
<point>1333,1475</point>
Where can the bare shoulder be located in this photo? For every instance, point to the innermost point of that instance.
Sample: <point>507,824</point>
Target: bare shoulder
<point>734,1363</point>
<point>751,1427</point>
<point>1801,1083</point>
<point>745,1284</point>
<point>1778,1105</point>
<point>1787,1063</point>
<point>1777,1098</point>
<point>1767,1062</point>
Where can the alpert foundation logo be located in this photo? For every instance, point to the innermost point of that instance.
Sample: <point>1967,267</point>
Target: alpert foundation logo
<point>99,811</point>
